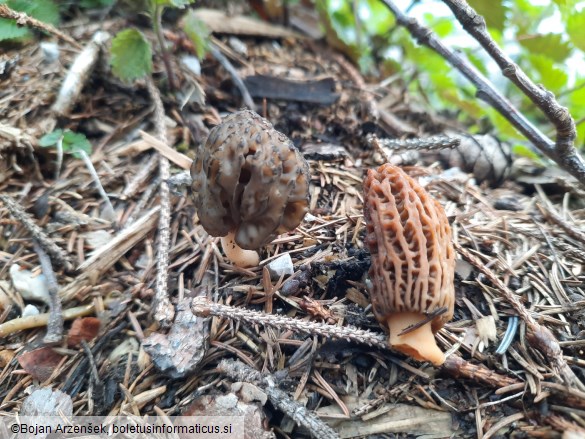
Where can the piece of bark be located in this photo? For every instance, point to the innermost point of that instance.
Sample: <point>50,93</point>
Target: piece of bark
<point>314,91</point>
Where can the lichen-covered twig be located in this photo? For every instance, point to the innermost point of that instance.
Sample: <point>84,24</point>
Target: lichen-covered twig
<point>23,19</point>
<point>55,324</point>
<point>540,337</point>
<point>563,153</point>
<point>203,307</point>
<point>55,252</point>
<point>428,143</point>
<point>238,371</point>
<point>164,311</point>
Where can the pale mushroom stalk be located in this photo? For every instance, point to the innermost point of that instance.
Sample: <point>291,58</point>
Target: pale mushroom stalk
<point>419,343</point>
<point>412,262</point>
<point>236,254</point>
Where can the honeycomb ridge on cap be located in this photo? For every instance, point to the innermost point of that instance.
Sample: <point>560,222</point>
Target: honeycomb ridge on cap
<point>409,237</point>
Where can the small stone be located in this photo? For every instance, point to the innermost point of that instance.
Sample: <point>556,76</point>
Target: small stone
<point>50,51</point>
<point>29,286</point>
<point>280,266</point>
<point>192,63</point>
<point>30,310</point>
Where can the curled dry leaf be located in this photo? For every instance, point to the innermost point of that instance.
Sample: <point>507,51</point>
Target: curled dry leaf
<point>250,183</point>
<point>85,328</point>
<point>412,261</point>
<point>40,363</point>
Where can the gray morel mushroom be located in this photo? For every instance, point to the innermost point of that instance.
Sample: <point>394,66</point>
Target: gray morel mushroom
<point>250,184</point>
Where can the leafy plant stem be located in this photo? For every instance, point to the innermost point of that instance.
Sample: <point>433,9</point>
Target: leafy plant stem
<point>157,25</point>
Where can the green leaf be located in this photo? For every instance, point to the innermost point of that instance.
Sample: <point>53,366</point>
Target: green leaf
<point>553,78</point>
<point>43,10</point>
<point>96,4</point>
<point>51,139</point>
<point>551,45</point>
<point>198,32</point>
<point>576,29</point>
<point>73,142</point>
<point>131,55</point>
<point>566,7</point>
<point>524,151</point>
<point>375,17</point>
<point>493,11</point>
<point>503,126</point>
<point>9,30</point>
<point>442,26</point>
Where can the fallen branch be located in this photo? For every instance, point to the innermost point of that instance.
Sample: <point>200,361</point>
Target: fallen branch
<point>563,152</point>
<point>164,312</point>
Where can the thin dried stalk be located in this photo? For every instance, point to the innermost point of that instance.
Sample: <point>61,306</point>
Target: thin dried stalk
<point>563,151</point>
<point>55,324</point>
<point>57,254</point>
<point>164,311</point>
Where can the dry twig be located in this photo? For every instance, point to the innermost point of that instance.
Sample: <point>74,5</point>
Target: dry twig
<point>17,212</point>
<point>563,153</point>
<point>55,324</point>
<point>164,311</point>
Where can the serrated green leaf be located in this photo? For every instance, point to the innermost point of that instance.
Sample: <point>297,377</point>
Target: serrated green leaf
<point>51,139</point>
<point>73,142</point>
<point>550,45</point>
<point>576,29</point>
<point>9,30</point>
<point>493,11</point>
<point>131,55</point>
<point>552,77</point>
<point>45,10</point>
<point>198,32</point>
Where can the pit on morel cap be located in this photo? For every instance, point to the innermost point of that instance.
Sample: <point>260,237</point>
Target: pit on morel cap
<point>412,262</point>
<point>250,183</point>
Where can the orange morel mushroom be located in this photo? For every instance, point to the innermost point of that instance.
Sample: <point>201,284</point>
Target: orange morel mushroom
<point>412,262</point>
<point>250,183</point>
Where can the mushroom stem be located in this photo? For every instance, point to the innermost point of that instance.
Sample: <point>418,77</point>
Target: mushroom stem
<point>419,343</point>
<point>236,254</point>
